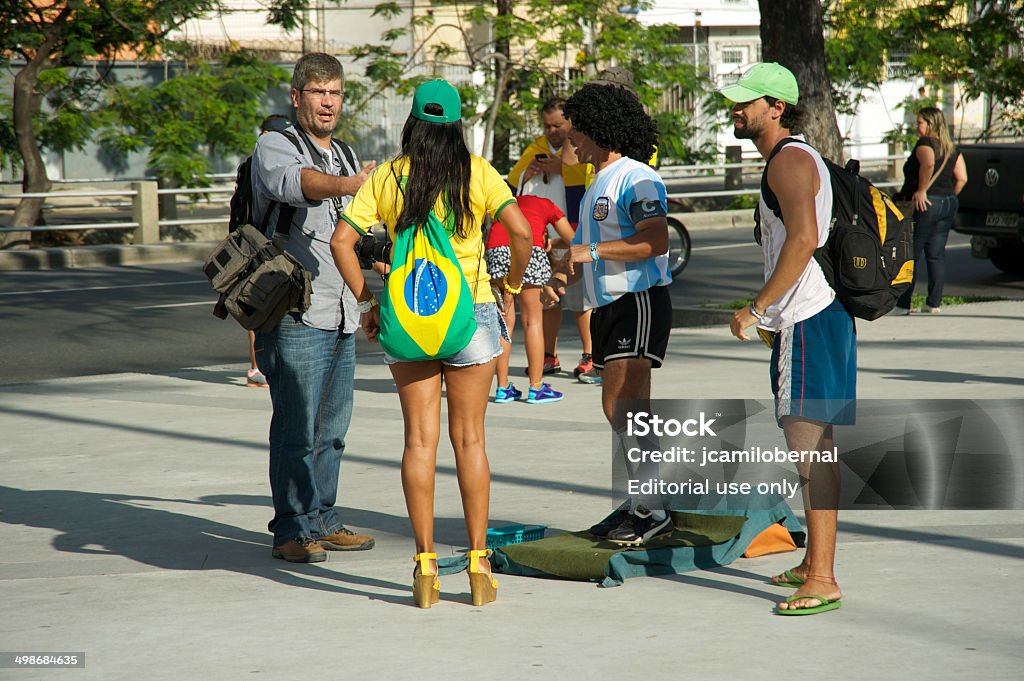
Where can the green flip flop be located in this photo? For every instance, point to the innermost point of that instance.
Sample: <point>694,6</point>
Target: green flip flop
<point>791,581</point>
<point>825,606</point>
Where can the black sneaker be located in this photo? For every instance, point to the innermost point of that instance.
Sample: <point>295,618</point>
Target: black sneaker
<point>636,530</point>
<point>612,521</point>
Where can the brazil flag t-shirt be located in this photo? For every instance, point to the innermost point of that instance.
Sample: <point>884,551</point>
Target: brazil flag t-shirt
<point>379,200</point>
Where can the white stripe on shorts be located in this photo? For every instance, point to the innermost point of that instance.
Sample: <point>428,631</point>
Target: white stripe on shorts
<point>643,321</point>
<point>785,396</point>
<point>647,332</point>
<point>643,330</point>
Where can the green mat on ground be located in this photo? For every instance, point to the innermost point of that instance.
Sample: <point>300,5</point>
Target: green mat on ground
<point>577,555</point>
<point>698,541</point>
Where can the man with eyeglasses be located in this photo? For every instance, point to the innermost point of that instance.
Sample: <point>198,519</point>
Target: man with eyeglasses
<point>302,180</point>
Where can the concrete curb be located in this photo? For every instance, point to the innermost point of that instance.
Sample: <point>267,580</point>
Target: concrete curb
<point>99,256</point>
<point>689,317</point>
<point>720,219</point>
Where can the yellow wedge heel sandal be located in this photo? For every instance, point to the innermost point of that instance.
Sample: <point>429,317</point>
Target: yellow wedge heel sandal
<point>426,587</point>
<point>482,585</point>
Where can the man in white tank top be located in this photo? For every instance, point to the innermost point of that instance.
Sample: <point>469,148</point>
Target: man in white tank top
<point>814,361</point>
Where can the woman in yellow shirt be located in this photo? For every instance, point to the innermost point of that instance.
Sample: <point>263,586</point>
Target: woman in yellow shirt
<point>435,171</point>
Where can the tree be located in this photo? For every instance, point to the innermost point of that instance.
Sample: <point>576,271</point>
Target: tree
<point>792,34</point>
<point>44,43</point>
<point>974,44</point>
<point>535,49</point>
<point>183,121</point>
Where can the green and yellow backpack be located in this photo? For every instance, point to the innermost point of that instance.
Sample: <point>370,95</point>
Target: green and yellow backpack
<point>426,310</point>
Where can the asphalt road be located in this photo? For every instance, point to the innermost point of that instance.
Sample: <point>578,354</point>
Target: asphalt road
<point>58,323</point>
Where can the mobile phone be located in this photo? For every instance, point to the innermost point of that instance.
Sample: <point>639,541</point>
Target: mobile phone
<point>540,156</point>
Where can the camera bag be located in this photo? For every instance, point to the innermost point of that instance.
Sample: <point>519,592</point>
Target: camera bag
<point>257,280</point>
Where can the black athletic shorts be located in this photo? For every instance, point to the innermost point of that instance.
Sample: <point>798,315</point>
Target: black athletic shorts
<point>637,325</point>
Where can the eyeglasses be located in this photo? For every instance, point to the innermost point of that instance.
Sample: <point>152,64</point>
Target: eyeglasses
<point>320,94</point>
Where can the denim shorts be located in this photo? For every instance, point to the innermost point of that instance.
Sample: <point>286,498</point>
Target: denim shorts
<point>485,344</point>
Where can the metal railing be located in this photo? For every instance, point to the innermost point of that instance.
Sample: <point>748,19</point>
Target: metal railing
<point>146,221</point>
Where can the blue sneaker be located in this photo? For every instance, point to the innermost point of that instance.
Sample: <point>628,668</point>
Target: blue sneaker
<point>509,394</point>
<point>543,394</point>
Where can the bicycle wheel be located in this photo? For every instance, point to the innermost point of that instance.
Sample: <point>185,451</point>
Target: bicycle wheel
<point>678,246</point>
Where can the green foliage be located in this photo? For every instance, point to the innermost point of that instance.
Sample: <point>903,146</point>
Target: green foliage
<point>975,43</point>
<point>738,304</point>
<point>547,41</point>
<point>85,37</point>
<point>917,302</point>
<point>285,13</point>
<point>8,141</point>
<point>903,134</point>
<point>856,50</point>
<point>212,111</point>
<point>743,202</point>
<point>388,10</point>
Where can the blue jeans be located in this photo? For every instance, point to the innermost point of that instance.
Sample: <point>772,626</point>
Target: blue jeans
<point>310,373</point>
<point>931,230</point>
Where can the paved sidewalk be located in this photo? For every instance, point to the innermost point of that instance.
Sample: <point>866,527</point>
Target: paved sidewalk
<point>133,514</point>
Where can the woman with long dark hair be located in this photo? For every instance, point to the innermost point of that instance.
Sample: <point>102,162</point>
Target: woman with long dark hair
<point>435,171</point>
<point>933,176</point>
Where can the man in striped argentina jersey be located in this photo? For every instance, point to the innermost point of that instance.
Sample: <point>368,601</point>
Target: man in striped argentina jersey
<point>619,256</point>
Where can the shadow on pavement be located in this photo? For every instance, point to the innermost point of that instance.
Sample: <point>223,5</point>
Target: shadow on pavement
<point>957,541</point>
<point>92,523</point>
<point>934,376</point>
<point>446,530</point>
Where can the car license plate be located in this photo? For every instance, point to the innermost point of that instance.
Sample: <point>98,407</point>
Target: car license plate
<point>1002,219</point>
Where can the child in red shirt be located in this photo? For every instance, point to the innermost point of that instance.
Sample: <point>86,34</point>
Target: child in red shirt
<point>540,213</point>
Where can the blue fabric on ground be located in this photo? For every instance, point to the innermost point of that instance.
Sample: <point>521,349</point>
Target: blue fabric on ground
<point>682,559</point>
<point>452,565</point>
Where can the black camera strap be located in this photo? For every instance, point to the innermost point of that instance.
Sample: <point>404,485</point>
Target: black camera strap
<point>286,211</point>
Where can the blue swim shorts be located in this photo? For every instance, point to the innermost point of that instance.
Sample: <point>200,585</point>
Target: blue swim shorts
<point>814,368</point>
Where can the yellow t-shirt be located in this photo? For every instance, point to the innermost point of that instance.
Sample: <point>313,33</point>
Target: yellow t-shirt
<point>379,200</point>
<point>578,175</point>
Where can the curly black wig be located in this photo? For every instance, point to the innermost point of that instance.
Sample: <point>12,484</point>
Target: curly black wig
<point>614,119</point>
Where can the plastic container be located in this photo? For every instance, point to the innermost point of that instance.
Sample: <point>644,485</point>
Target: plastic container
<point>513,534</point>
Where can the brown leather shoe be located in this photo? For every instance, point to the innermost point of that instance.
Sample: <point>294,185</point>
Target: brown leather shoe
<point>300,550</point>
<point>346,540</point>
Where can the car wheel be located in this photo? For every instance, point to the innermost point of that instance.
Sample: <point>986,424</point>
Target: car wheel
<point>1009,259</point>
<point>678,246</point>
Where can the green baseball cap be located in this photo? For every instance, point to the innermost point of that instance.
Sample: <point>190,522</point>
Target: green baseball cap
<point>439,92</point>
<point>764,79</point>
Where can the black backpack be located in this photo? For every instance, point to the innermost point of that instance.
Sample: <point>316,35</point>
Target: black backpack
<point>868,259</point>
<point>241,205</point>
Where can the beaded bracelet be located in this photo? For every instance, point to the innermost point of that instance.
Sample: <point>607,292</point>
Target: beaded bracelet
<point>508,287</point>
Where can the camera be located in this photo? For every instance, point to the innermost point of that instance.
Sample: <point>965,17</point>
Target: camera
<point>373,247</point>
